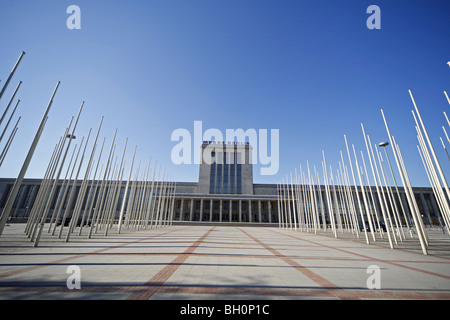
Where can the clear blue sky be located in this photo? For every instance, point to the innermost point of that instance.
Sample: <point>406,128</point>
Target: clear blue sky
<point>310,68</point>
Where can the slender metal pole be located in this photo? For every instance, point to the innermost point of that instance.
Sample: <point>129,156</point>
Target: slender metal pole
<point>398,192</point>
<point>408,196</point>
<point>9,120</point>
<point>150,200</point>
<point>11,74</point>
<point>8,206</point>
<point>10,101</point>
<point>441,174</point>
<point>382,192</point>
<point>330,211</point>
<point>98,208</point>
<point>73,190</point>
<point>446,95</point>
<point>279,207</point>
<point>47,208</point>
<point>124,200</point>
<point>378,191</point>
<point>9,142</point>
<point>84,185</point>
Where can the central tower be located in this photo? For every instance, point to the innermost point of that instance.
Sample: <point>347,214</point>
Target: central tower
<point>226,168</point>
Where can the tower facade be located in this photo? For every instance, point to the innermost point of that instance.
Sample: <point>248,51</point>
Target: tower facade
<point>226,168</point>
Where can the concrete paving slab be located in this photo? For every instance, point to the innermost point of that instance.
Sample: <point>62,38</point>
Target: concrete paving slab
<point>207,262</point>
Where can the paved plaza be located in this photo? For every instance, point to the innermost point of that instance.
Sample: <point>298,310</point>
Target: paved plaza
<point>206,262</point>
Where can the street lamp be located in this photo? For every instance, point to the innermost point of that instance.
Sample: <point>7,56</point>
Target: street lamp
<point>383,145</point>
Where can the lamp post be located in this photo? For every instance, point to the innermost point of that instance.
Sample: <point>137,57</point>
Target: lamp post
<point>383,145</point>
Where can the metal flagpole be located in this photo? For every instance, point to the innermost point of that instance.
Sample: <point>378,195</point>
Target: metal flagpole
<point>421,227</point>
<point>129,208</point>
<point>382,191</point>
<point>150,200</point>
<point>391,195</point>
<point>446,135</point>
<point>62,193</point>
<point>446,95</point>
<point>428,157</point>
<point>155,202</point>
<point>322,203</point>
<point>98,208</point>
<point>8,206</point>
<point>330,211</point>
<point>104,204</point>
<point>9,120</point>
<point>47,208</point>
<point>10,101</point>
<point>443,145</point>
<point>143,194</point>
<point>354,181</point>
<point>42,187</point>
<point>300,209</point>
<point>434,181</point>
<point>384,144</point>
<point>408,196</point>
<point>72,189</point>
<point>327,191</point>
<point>441,174</point>
<point>9,142</point>
<point>294,212</point>
<point>118,182</point>
<point>41,202</point>
<point>11,74</point>
<point>378,191</point>
<point>279,208</point>
<point>432,171</point>
<point>375,213</point>
<point>122,209</point>
<point>84,185</point>
<point>115,199</point>
<point>74,216</point>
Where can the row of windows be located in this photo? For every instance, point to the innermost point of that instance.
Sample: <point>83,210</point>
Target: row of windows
<point>225,205</point>
<point>225,179</point>
<point>27,195</point>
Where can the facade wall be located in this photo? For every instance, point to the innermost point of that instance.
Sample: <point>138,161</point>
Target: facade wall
<point>226,168</point>
<point>262,206</point>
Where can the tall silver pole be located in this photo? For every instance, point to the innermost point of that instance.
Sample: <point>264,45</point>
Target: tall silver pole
<point>378,191</point>
<point>446,95</point>
<point>441,174</point>
<point>11,74</point>
<point>84,185</point>
<point>9,141</point>
<point>330,205</point>
<point>98,208</point>
<point>47,208</point>
<point>8,144</point>
<point>9,120</point>
<point>124,200</point>
<point>408,196</point>
<point>8,206</point>
<point>10,101</point>
<point>396,187</point>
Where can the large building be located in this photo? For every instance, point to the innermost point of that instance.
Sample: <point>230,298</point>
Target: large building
<point>225,192</point>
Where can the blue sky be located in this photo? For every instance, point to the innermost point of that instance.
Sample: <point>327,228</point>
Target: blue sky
<point>311,69</point>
